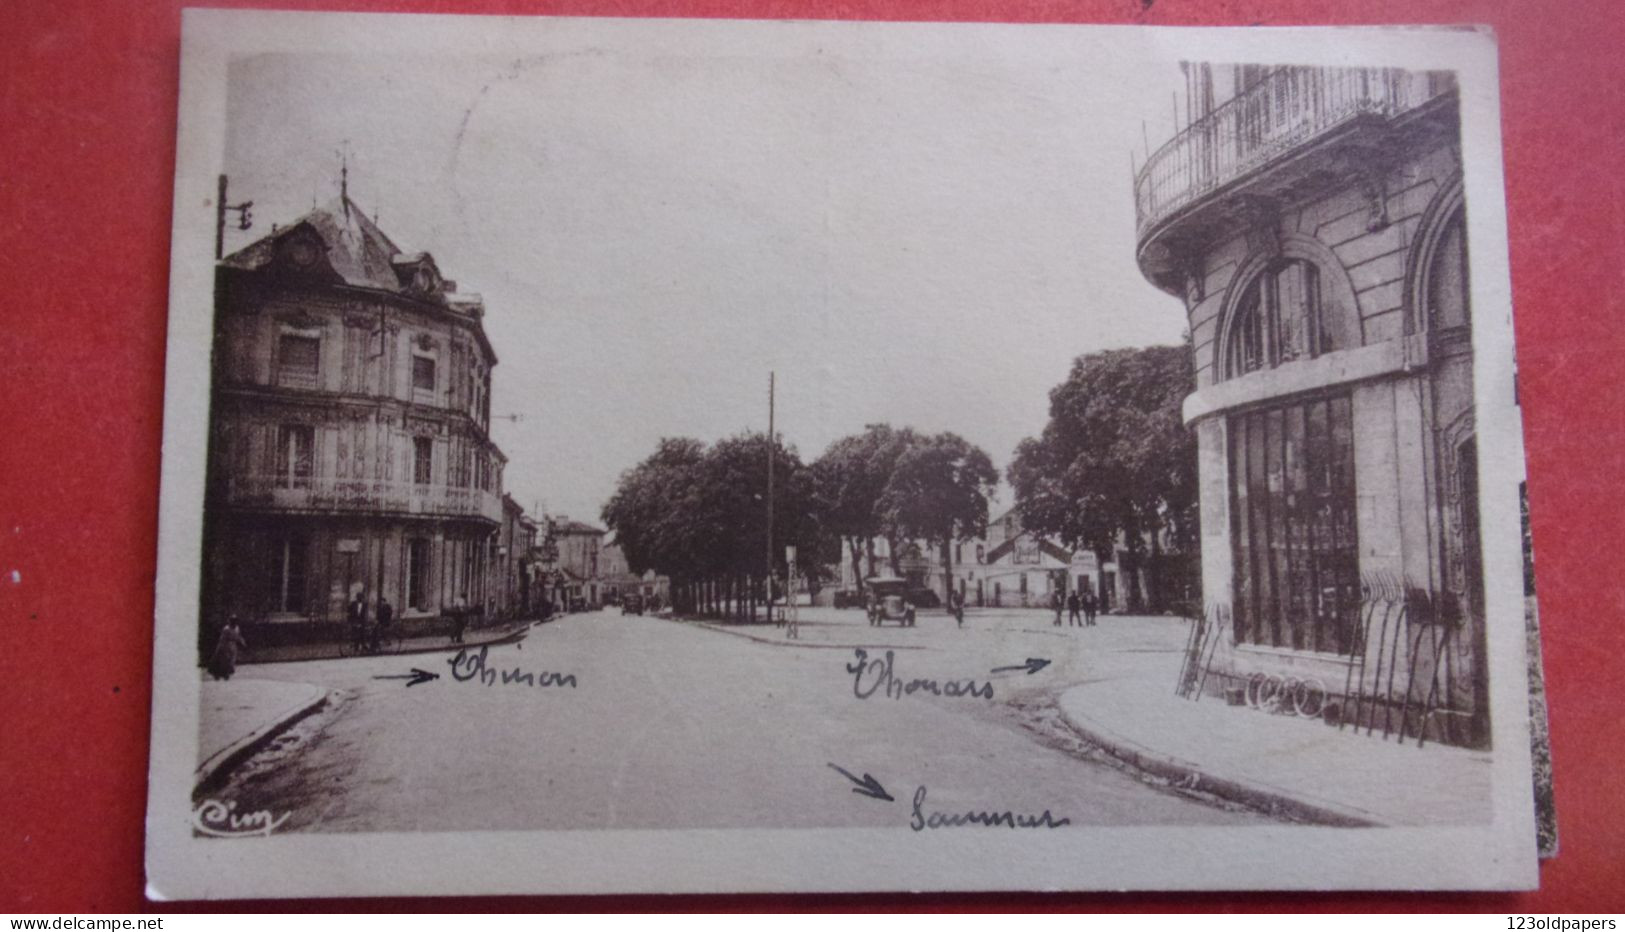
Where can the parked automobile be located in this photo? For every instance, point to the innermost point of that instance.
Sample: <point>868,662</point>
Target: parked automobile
<point>632,605</point>
<point>889,601</point>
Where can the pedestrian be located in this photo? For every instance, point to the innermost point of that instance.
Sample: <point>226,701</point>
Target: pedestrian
<point>1056,603</point>
<point>956,605</point>
<point>223,662</point>
<point>386,617</point>
<point>1089,607</point>
<point>1072,607</point>
<point>355,614</point>
<point>459,620</point>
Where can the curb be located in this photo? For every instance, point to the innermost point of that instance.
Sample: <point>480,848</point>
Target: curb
<point>515,635</point>
<point>214,770</point>
<point>1186,775</point>
<point>786,642</point>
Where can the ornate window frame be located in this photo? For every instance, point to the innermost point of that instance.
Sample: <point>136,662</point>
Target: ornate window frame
<point>1334,290</point>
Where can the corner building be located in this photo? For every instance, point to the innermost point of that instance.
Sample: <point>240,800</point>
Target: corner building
<point>349,448</point>
<point>1312,221</point>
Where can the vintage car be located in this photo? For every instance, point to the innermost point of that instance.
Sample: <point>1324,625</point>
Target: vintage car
<point>632,605</point>
<point>889,601</point>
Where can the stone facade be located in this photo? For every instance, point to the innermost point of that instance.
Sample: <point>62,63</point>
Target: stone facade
<point>578,575</point>
<point>1312,221</point>
<point>349,450</point>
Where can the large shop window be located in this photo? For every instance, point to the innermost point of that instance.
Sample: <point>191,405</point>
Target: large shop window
<point>1293,526</point>
<point>295,460</point>
<point>298,361</point>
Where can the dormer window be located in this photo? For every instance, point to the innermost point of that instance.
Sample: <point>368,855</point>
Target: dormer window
<point>301,250</point>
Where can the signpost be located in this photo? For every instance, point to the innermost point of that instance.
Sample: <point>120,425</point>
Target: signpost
<point>792,612</point>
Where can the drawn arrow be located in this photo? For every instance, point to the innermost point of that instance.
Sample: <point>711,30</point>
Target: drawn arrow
<point>1033,665</point>
<point>415,677</point>
<point>868,786</point>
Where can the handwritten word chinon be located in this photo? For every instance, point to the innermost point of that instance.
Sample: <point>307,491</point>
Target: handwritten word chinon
<point>466,667</point>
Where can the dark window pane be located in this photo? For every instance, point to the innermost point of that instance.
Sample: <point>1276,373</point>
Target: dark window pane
<point>298,360</point>
<point>422,373</point>
<point>422,460</point>
<point>1447,279</point>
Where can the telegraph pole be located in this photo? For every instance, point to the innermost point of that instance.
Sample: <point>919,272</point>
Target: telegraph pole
<point>770,458</point>
<point>245,220</point>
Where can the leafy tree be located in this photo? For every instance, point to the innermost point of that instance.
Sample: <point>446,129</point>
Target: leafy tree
<point>938,491</point>
<point>651,510</point>
<point>849,480</point>
<point>1115,458</point>
<point>699,514</point>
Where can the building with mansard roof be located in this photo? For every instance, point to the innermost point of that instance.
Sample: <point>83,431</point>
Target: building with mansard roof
<point>349,445</point>
<point>1312,221</point>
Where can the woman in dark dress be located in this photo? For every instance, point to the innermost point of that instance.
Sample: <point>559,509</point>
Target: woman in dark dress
<point>223,663</point>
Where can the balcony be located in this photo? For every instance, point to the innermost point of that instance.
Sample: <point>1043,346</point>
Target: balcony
<point>330,496</point>
<point>1286,112</point>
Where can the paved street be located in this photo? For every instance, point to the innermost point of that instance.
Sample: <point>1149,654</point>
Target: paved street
<point>678,725</point>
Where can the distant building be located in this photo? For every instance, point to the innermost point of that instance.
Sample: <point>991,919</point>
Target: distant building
<point>349,446</point>
<point>1008,567</point>
<point>515,542</point>
<point>1014,567</point>
<point>1312,221</point>
<point>577,579</point>
<point>617,580</point>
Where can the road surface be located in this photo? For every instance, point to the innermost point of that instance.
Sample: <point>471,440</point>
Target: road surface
<point>676,725</point>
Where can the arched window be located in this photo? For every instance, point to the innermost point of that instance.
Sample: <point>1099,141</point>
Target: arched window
<point>1447,298</point>
<point>1277,319</point>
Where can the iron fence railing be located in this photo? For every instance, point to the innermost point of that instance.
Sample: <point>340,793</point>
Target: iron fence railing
<point>360,496</point>
<point>1289,107</point>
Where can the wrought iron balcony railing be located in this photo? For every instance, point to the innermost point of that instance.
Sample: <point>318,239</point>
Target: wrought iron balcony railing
<point>1289,108</point>
<point>327,495</point>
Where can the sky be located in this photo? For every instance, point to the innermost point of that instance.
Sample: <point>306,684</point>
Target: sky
<point>919,227</point>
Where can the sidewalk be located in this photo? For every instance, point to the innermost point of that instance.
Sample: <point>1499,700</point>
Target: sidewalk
<point>1300,768</point>
<point>240,716</point>
<point>329,650</point>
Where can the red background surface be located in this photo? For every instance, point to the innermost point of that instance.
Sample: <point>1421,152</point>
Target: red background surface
<point>87,138</point>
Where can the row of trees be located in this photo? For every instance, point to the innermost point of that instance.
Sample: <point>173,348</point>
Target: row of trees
<point>900,485</point>
<point>698,514</point>
<point>1115,462</point>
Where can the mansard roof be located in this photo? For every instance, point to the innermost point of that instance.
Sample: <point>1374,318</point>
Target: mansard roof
<point>360,252</point>
<point>357,252</point>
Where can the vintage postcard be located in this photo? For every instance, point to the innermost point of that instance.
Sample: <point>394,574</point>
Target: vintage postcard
<point>664,456</point>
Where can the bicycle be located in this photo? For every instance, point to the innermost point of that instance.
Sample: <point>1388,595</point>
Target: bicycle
<point>1287,695</point>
